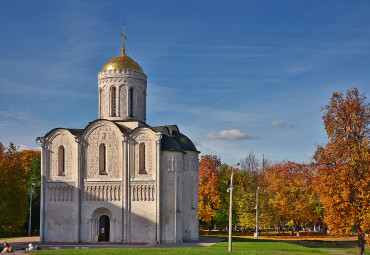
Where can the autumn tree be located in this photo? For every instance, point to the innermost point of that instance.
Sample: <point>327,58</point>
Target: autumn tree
<point>14,177</point>
<point>245,197</point>
<point>209,196</point>
<point>343,166</point>
<point>13,206</point>
<point>266,213</point>
<point>292,196</point>
<point>252,176</point>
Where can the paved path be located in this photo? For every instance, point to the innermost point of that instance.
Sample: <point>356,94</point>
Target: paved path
<point>343,252</point>
<point>19,244</point>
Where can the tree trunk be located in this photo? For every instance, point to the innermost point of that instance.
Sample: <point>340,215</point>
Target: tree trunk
<point>361,243</point>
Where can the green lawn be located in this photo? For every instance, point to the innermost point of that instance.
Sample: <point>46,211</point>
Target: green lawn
<point>240,246</point>
<point>355,251</point>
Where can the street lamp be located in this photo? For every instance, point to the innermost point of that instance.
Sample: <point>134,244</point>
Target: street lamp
<point>257,213</point>
<point>29,222</point>
<point>231,209</point>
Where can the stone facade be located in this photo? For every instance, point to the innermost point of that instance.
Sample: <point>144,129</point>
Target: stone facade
<point>119,179</point>
<point>122,81</point>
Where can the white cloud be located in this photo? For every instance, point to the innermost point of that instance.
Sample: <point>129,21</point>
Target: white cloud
<point>23,147</point>
<point>233,134</point>
<point>281,123</point>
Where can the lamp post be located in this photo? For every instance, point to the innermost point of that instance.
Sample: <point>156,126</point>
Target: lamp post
<point>29,222</point>
<point>231,209</point>
<point>257,213</point>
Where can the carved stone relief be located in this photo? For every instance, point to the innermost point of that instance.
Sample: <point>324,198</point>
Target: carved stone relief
<point>63,140</point>
<point>102,192</point>
<point>147,140</point>
<point>105,102</point>
<point>60,192</point>
<point>123,101</point>
<point>113,162</point>
<point>140,103</point>
<point>142,192</point>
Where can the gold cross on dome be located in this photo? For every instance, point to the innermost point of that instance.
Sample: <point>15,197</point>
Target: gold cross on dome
<point>123,36</point>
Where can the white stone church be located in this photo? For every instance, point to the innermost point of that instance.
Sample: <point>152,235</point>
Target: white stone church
<point>119,179</point>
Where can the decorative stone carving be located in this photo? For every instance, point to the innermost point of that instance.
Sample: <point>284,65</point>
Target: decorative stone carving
<point>112,152</point>
<point>65,141</point>
<point>143,137</point>
<point>102,192</point>
<point>123,101</point>
<point>60,192</point>
<point>130,79</point>
<point>142,192</point>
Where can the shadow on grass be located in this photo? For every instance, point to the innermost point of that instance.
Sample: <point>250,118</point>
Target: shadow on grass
<point>245,239</point>
<point>325,244</point>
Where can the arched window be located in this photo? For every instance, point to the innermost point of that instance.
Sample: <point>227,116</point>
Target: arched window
<point>113,96</point>
<point>102,159</point>
<point>131,109</point>
<point>61,160</point>
<point>100,103</point>
<point>142,159</point>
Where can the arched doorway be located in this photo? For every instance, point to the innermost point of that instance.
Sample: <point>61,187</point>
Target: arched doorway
<point>102,225</point>
<point>104,228</point>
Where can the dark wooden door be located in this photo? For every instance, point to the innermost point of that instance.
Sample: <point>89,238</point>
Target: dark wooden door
<point>104,228</point>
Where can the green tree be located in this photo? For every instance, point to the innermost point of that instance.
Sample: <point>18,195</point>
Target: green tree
<point>222,217</point>
<point>343,166</point>
<point>35,178</point>
<point>245,197</point>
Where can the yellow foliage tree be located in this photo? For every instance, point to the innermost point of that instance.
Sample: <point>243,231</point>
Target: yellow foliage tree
<point>209,196</point>
<point>292,196</point>
<point>343,166</point>
<point>14,168</point>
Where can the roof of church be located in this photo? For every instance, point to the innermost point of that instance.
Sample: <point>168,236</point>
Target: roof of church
<point>169,128</point>
<point>185,143</point>
<point>75,132</point>
<point>122,62</point>
<point>169,144</point>
<point>123,129</point>
<point>175,141</point>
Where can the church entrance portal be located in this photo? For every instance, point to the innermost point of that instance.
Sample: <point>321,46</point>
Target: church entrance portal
<point>104,228</point>
<point>101,227</point>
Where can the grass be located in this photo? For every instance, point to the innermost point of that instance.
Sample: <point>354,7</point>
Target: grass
<point>240,246</point>
<point>355,251</point>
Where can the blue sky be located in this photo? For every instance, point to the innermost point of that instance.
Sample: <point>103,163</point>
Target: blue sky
<point>235,76</point>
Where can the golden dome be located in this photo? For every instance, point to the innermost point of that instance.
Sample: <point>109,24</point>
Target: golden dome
<point>122,62</point>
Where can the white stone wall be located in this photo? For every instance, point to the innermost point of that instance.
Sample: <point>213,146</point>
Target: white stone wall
<point>122,81</point>
<point>60,191</point>
<point>67,141</point>
<point>101,198</point>
<point>107,134</point>
<point>179,196</point>
<point>129,199</point>
<point>171,193</point>
<point>143,187</point>
<point>61,206</point>
<point>142,211</point>
<point>192,166</point>
<point>144,136</point>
